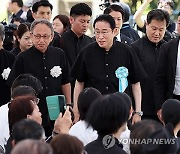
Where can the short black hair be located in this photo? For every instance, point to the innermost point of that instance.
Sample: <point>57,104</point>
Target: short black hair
<point>147,127</point>
<point>114,7</point>
<point>107,114</point>
<point>85,99</point>
<point>80,9</point>
<point>146,130</point>
<point>171,111</point>
<point>44,3</point>
<point>28,80</point>
<point>106,18</point>
<point>158,14</point>
<point>179,14</point>
<point>126,98</point>
<point>27,129</point>
<point>22,90</point>
<point>19,2</point>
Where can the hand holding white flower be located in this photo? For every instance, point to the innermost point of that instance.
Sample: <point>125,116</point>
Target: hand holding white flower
<point>6,73</point>
<point>56,71</point>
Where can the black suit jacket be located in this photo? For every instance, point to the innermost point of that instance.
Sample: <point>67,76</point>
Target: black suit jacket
<point>166,71</point>
<point>126,39</point>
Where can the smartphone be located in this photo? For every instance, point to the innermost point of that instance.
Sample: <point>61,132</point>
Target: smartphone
<point>55,105</point>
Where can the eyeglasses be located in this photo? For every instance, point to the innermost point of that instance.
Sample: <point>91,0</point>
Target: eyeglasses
<point>103,32</point>
<point>45,37</point>
<point>36,101</point>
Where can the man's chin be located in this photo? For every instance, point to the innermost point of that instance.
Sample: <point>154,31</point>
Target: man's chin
<point>42,49</point>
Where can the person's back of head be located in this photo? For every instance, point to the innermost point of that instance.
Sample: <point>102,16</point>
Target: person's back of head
<point>80,9</point>
<point>85,99</point>
<point>128,101</point>
<point>149,136</point>
<point>108,114</point>
<point>66,144</point>
<point>23,91</point>
<point>161,143</point>
<point>159,15</point>
<point>171,114</point>
<point>27,80</point>
<point>19,109</point>
<point>30,146</point>
<point>27,129</point>
<point>149,126</point>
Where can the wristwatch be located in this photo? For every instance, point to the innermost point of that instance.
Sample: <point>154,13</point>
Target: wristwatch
<point>140,113</point>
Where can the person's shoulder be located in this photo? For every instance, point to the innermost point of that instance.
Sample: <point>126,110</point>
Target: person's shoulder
<point>122,46</point>
<point>88,37</point>
<point>126,39</point>
<point>8,53</point>
<point>139,43</point>
<point>4,107</point>
<point>76,128</point>
<point>67,35</point>
<point>89,47</point>
<point>26,52</point>
<point>172,43</point>
<point>55,50</point>
<point>78,124</point>
<point>91,145</point>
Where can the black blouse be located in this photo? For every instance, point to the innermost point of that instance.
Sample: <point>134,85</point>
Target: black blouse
<point>6,60</point>
<point>96,67</point>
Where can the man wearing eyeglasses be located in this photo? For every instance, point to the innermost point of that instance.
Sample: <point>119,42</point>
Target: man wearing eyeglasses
<point>45,62</point>
<point>98,61</point>
<point>43,10</point>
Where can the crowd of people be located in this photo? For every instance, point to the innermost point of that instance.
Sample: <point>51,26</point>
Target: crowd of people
<point>122,91</point>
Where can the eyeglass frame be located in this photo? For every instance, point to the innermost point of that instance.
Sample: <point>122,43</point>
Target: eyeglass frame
<point>104,33</point>
<point>38,36</point>
<point>35,101</point>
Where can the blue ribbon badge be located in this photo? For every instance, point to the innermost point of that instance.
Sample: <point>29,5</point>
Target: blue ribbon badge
<point>121,74</point>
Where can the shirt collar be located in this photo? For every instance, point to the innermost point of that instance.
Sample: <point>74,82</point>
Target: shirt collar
<point>154,44</point>
<point>73,35</point>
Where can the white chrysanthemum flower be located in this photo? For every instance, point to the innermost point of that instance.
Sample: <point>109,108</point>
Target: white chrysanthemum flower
<point>6,73</point>
<point>56,71</point>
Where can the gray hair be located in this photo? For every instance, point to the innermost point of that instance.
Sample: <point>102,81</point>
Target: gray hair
<point>2,32</point>
<point>41,21</point>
